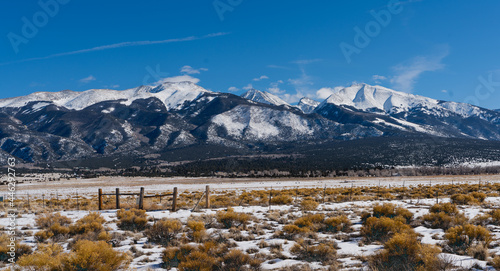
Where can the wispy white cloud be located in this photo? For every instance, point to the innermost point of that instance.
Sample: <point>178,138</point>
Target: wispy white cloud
<point>87,79</point>
<point>115,86</point>
<point>120,45</point>
<point>379,78</point>
<point>407,73</point>
<point>263,77</point>
<point>278,67</point>
<point>274,87</point>
<point>233,89</point>
<point>324,93</point>
<point>190,70</point>
<point>177,79</point>
<point>302,82</point>
<point>248,87</point>
<point>306,61</point>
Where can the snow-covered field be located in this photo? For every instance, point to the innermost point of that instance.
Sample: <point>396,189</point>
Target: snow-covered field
<point>350,249</point>
<point>266,222</point>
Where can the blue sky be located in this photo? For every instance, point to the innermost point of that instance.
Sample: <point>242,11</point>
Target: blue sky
<point>441,49</point>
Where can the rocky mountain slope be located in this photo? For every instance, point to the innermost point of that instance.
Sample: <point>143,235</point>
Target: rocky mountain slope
<point>139,122</point>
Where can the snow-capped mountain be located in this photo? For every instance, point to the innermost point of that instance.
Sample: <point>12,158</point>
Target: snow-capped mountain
<point>54,126</point>
<point>172,95</point>
<point>307,105</point>
<point>379,99</point>
<point>263,97</point>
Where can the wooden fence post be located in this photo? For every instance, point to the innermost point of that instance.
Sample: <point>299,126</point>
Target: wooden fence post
<point>118,198</point>
<point>270,197</point>
<point>207,196</point>
<point>100,199</point>
<point>141,199</point>
<point>174,200</point>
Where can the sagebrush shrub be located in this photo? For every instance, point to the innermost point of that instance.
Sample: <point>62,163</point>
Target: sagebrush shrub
<point>478,251</point>
<point>281,200</point>
<point>235,259</point>
<point>338,224</point>
<point>48,257</point>
<point>444,216</point>
<point>230,218</point>
<point>292,231</point>
<point>99,256</point>
<point>495,216</point>
<point>207,256</point>
<point>45,221</point>
<point>163,232</point>
<point>313,222</point>
<point>404,252</point>
<point>472,198</point>
<point>197,230</point>
<point>20,249</point>
<point>132,220</point>
<point>308,204</point>
<point>391,211</point>
<point>460,238</point>
<point>495,262</point>
<point>383,228</point>
<point>85,255</point>
<point>91,223</point>
<point>312,253</point>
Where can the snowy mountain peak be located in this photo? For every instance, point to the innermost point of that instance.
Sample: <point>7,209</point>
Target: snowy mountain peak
<point>365,97</point>
<point>173,95</point>
<point>263,97</point>
<point>307,105</point>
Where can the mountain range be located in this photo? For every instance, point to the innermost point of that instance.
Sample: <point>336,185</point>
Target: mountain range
<point>152,120</point>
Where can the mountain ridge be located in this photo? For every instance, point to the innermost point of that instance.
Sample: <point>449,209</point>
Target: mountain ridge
<point>147,120</point>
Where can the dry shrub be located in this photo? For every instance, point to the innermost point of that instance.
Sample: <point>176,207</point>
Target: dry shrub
<point>163,232</point>
<point>478,251</point>
<point>197,230</point>
<point>5,248</point>
<point>312,222</point>
<point>56,232</point>
<point>383,228</point>
<point>495,216</point>
<point>208,256</point>
<point>391,211</point>
<point>230,218</point>
<point>198,260</point>
<point>338,224</point>
<point>290,232</point>
<point>48,257</point>
<point>281,200</point>
<point>482,220</point>
<point>308,204</point>
<point>444,216</point>
<point>472,198</point>
<point>47,220</point>
<point>313,253</point>
<point>91,223</point>
<point>85,255</point>
<point>88,255</point>
<point>132,220</point>
<point>495,262</point>
<point>404,252</point>
<point>235,259</point>
<point>460,238</point>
